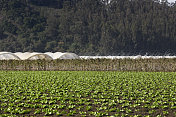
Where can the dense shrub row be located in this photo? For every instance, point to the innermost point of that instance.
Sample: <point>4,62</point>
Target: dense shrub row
<point>92,65</point>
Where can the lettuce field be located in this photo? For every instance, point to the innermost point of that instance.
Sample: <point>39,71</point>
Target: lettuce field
<point>87,93</point>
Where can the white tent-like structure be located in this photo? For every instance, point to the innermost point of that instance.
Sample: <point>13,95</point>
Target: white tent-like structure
<point>8,56</point>
<point>33,56</point>
<point>37,56</point>
<point>127,57</point>
<point>60,55</point>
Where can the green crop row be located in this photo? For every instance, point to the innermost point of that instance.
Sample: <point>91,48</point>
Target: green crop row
<point>78,93</point>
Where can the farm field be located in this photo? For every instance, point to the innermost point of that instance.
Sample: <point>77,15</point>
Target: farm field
<point>87,93</point>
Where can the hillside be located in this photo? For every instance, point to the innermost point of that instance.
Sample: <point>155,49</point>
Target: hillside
<point>88,27</point>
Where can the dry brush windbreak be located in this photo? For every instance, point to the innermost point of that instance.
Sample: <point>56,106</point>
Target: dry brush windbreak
<point>147,65</point>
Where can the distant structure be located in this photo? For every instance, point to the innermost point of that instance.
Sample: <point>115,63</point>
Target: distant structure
<point>32,56</point>
<point>8,56</point>
<point>60,55</point>
<point>37,56</point>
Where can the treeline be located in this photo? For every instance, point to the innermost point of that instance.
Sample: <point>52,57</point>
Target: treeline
<point>88,27</point>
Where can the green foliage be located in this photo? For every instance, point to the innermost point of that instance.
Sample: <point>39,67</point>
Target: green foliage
<point>102,93</point>
<point>87,27</point>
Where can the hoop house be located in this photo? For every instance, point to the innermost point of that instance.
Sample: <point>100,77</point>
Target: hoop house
<point>60,55</point>
<point>33,56</point>
<point>8,56</point>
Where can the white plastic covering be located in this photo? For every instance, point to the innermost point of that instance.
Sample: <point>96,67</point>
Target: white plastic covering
<point>126,57</point>
<point>36,56</point>
<point>8,56</point>
<point>60,55</point>
<point>32,56</point>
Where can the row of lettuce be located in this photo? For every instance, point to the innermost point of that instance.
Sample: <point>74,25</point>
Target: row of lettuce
<point>78,93</point>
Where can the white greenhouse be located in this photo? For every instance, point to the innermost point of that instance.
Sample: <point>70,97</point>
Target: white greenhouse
<point>33,56</point>
<point>60,55</point>
<point>8,56</point>
<point>37,56</point>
